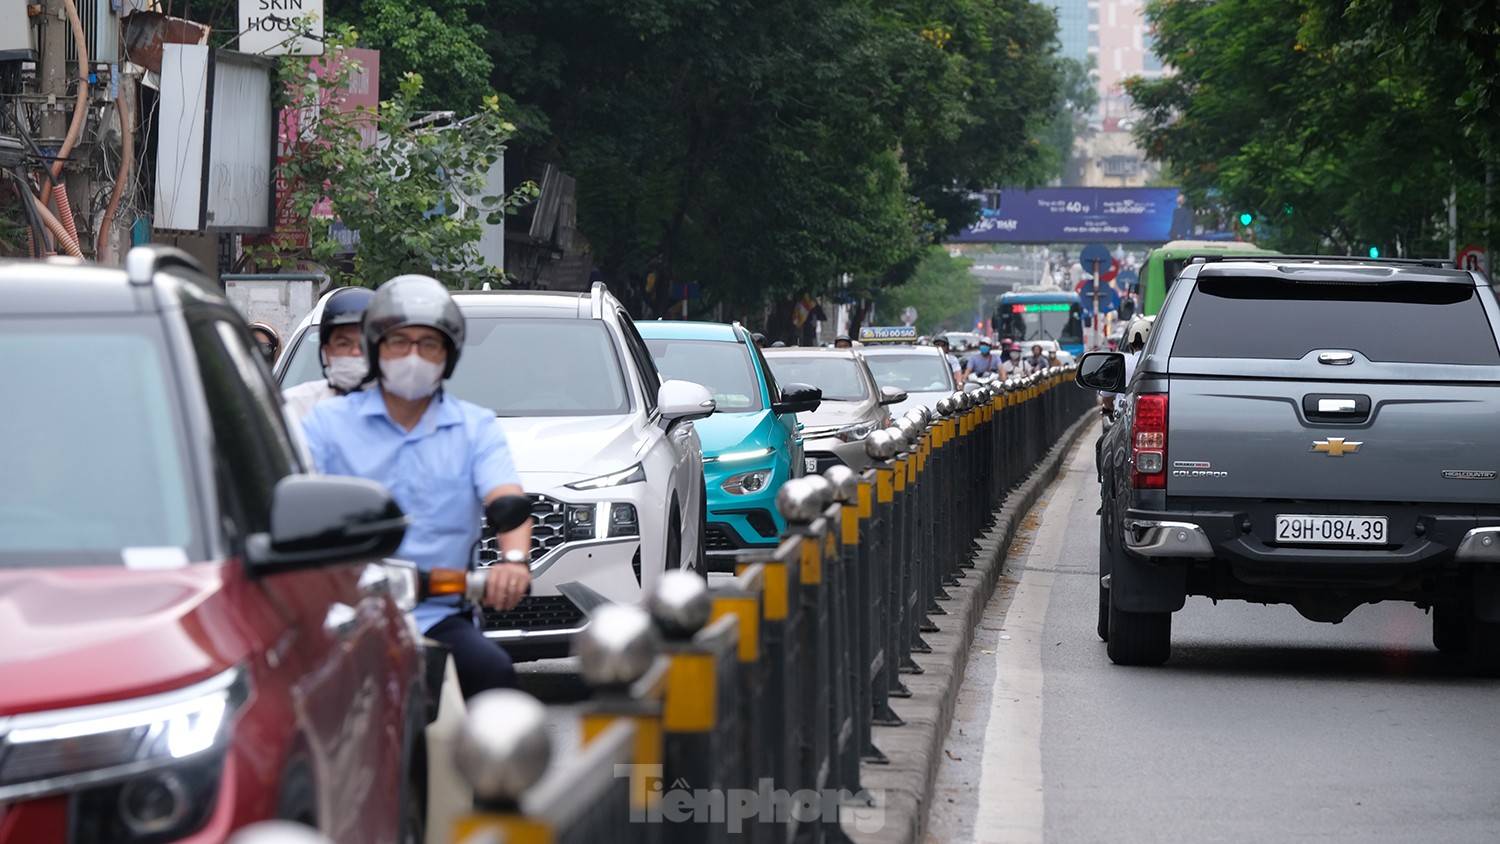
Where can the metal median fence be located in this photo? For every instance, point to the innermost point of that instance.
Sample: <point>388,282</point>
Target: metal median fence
<point>743,711</point>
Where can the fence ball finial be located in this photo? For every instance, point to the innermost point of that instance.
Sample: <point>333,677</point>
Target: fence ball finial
<point>800,501</point>
<point>618,646</point>
<point>945,407</point>
<point>844,481</point>
<point>502,747</point>
<point>679,604</point>
<point>898,440</point>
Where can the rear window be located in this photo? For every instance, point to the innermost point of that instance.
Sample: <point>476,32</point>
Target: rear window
<point>1420,322</point>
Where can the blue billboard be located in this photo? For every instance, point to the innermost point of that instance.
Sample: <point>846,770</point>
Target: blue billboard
<point>1078,215</point>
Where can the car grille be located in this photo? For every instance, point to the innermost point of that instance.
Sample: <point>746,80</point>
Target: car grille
<point>719,538</point>
<point>549,526</point>
<point>534,613</point>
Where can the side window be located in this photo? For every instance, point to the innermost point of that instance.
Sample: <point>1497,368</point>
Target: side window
<point>773,389</point>
<point>644,363</point>
<point>252,449</point>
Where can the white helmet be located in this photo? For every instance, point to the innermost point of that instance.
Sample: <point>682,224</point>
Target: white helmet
<point>1138,330</point>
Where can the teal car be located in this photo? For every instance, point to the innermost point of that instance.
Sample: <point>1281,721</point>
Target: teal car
<point>751,444</point>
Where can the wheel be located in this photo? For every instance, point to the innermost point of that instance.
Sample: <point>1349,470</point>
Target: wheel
<point>1450,629</point>
<point>674,539</point>
<point>1138,638</point>
<point>1106,557</point>
<point>1484,648</point>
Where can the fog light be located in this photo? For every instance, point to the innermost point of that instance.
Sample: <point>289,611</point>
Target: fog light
<point>153,804</point>
<point>746,482</point>
<point>752,483</point>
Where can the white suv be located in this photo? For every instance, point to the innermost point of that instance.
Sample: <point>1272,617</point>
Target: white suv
<point>605,450</point>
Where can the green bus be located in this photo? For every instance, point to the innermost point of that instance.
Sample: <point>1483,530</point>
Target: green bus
<point>1165,263</point>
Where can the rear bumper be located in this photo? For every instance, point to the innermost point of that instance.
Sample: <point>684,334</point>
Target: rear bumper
<point>1419,542</point>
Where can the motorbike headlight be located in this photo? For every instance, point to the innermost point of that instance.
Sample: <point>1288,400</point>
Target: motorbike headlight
<point>143,769</point>
<point>634,474</point>
<point>401,581</point>
<point>855,432</point>
<point>746,482</point>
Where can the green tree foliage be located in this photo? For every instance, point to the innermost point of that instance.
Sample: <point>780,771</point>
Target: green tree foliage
<point>433,39</point>
<point>941,288</point>
<point>1307,118</point>
<point>764,149</point>
<point>402,194</point>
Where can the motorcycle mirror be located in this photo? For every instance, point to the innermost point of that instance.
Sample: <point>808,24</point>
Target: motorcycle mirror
<point>507,513</point>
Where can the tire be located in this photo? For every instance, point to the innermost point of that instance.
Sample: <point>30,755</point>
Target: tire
<point>1484,648</point>
<point>700,559</point>
<point>673,557</point>
<point>411,815</point>
<point>1139,638</point>
<point>297,801</point>
<point>1106,560</point>
<point>1450,629</point>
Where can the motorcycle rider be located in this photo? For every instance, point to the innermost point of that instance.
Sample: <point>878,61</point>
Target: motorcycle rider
<point>339,349</point>
<point>444,461</point>
<point>982,362</point>
<point>953,363</point>
<point>1037,361</point>
<point>1135,340</point>
<point>268,339</point>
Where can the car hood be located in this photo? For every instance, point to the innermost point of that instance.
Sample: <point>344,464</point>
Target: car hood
<point>78,636</point>
<point>832,414</point>
<point>584,446</point>
<point>723,432</point>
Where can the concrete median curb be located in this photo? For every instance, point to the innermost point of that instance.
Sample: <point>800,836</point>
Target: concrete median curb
<point>905,786</point>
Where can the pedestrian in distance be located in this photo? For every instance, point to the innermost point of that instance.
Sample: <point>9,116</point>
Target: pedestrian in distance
<point>445,461</point>
<point>339,350</point>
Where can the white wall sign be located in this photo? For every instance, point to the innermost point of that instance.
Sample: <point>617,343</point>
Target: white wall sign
<point>270,27</point>
<point>216,158</point>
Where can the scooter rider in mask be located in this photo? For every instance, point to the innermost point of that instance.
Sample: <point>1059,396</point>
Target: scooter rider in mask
<point>444,461</point>
<point>339,349</point>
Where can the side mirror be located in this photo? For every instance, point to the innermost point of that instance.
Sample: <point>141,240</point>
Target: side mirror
<point>1102,371</point>
<point>683,400</point>
<point>324,520</point>
<point>507,513</point>
<point>798,398</point>
<point>892,395</point>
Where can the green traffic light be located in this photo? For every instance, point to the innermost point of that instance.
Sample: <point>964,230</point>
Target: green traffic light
<point>1374,251</point>
<point>1246,218</point>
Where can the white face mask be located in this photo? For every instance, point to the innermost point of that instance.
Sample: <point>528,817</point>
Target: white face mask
<point>412,377</point>
<point>1015,355</point>
<point>346,371</point>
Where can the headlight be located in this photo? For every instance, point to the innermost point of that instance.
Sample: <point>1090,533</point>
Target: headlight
<point>146,768</point>
<point>623,520</point>
<point>634,474</point>
<point>856,432</point>
<point>402,582</point>
<point>737,456</point>
<point>746,482</point>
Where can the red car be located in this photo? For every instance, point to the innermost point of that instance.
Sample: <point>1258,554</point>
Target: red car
<point>197,635</point>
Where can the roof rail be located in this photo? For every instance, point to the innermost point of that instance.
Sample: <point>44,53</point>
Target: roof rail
<point>142,262</point>
<point>596,299</point>
<point>1217,257</point>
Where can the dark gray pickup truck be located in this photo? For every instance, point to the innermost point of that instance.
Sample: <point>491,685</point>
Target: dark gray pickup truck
<point>1320,432</point>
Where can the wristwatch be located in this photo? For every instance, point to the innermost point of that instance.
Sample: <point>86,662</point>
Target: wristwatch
<point>514,556</point>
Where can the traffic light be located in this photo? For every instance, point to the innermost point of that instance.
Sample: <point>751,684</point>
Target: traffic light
<point>1374,251</point>
<point>1246,218</point>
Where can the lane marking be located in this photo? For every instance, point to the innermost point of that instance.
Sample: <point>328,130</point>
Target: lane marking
<point>1011,807</point>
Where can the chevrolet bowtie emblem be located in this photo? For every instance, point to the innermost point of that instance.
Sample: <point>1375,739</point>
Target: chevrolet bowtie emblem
<point>1336,446</point>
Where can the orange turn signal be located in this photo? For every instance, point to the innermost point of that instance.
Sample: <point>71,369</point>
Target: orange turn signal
<point>447,581</point>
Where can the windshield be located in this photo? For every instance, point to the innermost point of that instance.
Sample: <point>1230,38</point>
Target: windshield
<point>914,373</point>
<point>837,376</point>
<point>1027,321</point>
<point>303,365</point>
<point>540,367</point>
<point>94,468</point>
<point>724,368</point>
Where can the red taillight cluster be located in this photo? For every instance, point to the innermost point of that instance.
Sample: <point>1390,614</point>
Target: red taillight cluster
<point>1148,441</point>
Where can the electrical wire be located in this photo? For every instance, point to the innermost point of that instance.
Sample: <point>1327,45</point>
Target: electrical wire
<point>66,240</point>
<point>37,234</point>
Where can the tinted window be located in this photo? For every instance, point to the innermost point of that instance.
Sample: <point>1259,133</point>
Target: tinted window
<point>304,364</point>
<point>253,449</point>
<point>724,368</point>
<point>540,367</point>
<point>837,376</point>
<point>914,373</point>
<point>91,450</point>
<point>650,378</point>
<point>1270,318</point>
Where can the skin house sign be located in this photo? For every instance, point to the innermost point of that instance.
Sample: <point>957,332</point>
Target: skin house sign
<point>270,27</point>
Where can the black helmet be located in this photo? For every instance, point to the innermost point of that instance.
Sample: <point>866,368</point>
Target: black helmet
<point>411,300</point>
<point>344,306</point>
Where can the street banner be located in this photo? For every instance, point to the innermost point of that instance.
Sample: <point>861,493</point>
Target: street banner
<point>1075,215</point>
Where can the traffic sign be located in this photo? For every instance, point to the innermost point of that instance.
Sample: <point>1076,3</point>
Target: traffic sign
<point>1114,270</point>
<point>1095,258</point>
<point>1471,258</point>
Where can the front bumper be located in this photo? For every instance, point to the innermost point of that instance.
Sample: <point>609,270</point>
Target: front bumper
<point>830,451</point>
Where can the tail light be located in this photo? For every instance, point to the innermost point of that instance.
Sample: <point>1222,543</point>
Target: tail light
<point>1148,441</point>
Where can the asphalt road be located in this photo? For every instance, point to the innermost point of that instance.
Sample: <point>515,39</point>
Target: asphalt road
<point>1262,727</point>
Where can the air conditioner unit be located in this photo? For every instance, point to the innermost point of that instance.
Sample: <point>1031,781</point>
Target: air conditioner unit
<point>101,28</point>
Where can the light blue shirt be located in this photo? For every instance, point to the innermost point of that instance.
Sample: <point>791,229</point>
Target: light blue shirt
<point>438,472</point>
